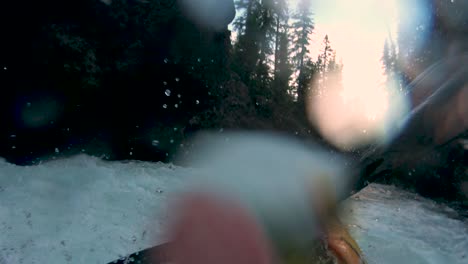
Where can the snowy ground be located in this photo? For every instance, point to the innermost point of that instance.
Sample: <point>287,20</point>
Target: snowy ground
<point>84,210</point>
<point>395,226</point>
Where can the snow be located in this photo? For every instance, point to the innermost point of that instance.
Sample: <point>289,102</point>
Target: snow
<point>82,209</point>
<point>85,210</point>
<point>395,226</point>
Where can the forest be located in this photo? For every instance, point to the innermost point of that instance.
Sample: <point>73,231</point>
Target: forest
<point>130,79</point>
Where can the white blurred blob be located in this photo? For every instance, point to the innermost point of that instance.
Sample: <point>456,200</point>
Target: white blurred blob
<point>212,14</point>
<point>278,178</point>
<point>349,122</point>
<point>342,123</point>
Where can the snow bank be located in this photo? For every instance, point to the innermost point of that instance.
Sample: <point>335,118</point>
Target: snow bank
<point>82,209</point>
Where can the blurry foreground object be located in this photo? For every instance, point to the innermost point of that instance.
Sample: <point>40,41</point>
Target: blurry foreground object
<point>262,198</point>
<point>429,154</point>
<point>347,123</point>
<point>210,14</point>
<point>440,111</point>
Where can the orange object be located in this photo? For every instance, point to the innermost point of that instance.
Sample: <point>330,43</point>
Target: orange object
<point>342,245</point>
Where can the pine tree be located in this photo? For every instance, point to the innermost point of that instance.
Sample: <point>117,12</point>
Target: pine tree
<point>328,70</point>
<point>282,67</point>
<point>386,58</point>
<point>390,65</point>
<point>246,48</point>
<point>303,27</point>
<point>256,48</point>
<point>325,56</point>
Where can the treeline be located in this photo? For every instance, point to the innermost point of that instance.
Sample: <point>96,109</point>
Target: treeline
<point>272,56</point>
<point>129,79</point>
<point>122,79</point>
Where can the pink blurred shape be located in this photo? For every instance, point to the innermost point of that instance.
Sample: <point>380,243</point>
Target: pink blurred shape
<point>212,230</point>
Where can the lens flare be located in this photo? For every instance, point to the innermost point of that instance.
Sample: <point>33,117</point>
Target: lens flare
<point>367,105</point>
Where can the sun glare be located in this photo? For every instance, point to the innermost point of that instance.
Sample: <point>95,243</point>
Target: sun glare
<point>365,107</point>
<point>357,31</point>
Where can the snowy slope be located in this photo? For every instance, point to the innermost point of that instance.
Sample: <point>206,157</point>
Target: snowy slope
<point>395,226</point>
<point>84,210</point>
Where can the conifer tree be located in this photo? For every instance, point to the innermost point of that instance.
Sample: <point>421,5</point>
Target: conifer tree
<point>303,27</point>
